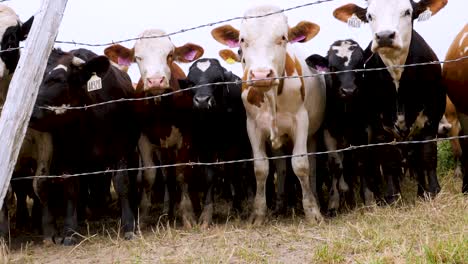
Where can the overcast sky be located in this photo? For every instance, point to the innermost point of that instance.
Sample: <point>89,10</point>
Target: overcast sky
<point>101,21</point>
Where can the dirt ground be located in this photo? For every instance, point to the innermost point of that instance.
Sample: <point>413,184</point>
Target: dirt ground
<point>414,231</point>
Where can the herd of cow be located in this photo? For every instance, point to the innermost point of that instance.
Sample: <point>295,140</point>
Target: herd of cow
<point>271,106</point>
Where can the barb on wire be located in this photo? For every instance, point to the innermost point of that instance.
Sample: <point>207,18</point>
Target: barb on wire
<point>392,143</point>
<point>192,28</point>
<point>61,108</point>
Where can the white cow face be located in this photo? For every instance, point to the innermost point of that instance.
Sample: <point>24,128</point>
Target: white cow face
<point>156,59</point>
<point>263,43</point>
<point>391,21</point>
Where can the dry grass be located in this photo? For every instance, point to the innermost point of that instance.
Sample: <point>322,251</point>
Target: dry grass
<point>413,232</point>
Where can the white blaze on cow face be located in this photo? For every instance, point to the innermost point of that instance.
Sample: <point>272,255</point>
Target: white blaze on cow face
<point>203,65</point>
<point>263,43</point>
<point>344,51</point>
<point>8,18</point>
<point>152,55</point>
<point>60,66</point>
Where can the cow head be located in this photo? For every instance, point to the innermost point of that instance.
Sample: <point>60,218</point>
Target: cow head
<point>208,72</point>
<point>12,31</point>
<point>342,55</point>
<point>391,21</point>
<point>64,84</point>
<point>156,59</point>
<point>263,42</point>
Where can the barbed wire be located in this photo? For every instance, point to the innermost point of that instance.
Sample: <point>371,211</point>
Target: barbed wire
<point>72,42</point>
<point>120,100</point>
<point>217,163</point>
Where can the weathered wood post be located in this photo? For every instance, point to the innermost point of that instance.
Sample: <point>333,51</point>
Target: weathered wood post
<point>24,87</point>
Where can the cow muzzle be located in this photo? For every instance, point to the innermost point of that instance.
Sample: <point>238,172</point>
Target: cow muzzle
<point>203,102</point>
<point>262,78</point>
<point>156,83</point>
<point>347,92</point>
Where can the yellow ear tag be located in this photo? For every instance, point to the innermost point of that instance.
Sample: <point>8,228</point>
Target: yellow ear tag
<point>94,83</point>
<point>231,61</point>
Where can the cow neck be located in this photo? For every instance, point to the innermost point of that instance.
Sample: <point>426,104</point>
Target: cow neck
<point>396,58</point>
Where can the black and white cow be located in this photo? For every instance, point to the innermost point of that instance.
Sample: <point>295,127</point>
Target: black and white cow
<point>403,103</point>
<point>12,31</point>
<point>97,139</point>
<point>344,123</point>
<point>219,131</point>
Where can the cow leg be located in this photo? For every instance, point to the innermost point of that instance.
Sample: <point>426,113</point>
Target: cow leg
<point>429,152</point>
<point>304,167</point>
<point>335,161</point>
<point>390,159</point>
<point>71,187</point>
<point>280,167</point>
<point>207,213</point>
<point>261,167</point>
<point>149,176</point>
<point>122,186</point>
<point>186,207</point>
<point>4,218</point>
<point>464,150</point>
<point>42,188</point>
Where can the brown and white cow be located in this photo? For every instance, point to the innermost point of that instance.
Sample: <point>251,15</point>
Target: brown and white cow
<point>165,121</point>
<point>278,108</point>
<point>455,77</point>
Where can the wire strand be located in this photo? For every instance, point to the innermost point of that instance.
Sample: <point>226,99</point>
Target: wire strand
<point>62,108</point>
<point>393,143</point>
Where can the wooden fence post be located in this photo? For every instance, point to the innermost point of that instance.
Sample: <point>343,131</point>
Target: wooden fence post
<point>24,87</point>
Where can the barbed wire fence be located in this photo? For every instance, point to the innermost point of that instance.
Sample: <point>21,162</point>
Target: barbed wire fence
<point>218,163</point>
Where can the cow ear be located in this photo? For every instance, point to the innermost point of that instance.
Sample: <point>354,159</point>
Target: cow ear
<point>226,35</point>
<point>303,32</point>
<point>229,56</point>
<point>120,55</point>
<point>188,53</point>
<point>99,65</point>
<point>25,28</point>
<point>351,14</point>
<point>318,63</point>
<point>424,9</point>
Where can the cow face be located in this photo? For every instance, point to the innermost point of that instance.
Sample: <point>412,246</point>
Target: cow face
<point>391,21</point>
<point>12,31</point>
<point>263,43</point>
<point>64,84</point>
<point>156,59</point>
<point>343,55</point>
<point>208,72</point>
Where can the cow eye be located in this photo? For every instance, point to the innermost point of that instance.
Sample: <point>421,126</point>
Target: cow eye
<point>138,58</point>
<point>369,17</point>
<point>283,38</point>
<point>407,13</point>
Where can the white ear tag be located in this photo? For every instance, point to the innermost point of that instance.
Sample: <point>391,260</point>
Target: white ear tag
<point>94,83</point>
<point>424,16</point>
<point>354,21</point>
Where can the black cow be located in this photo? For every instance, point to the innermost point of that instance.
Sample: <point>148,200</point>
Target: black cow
<point>219,130</point>
<point>97,139</point>
<point>344,123</point>
<point>403,103</point>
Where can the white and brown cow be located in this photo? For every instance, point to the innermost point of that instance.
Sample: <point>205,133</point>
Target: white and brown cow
<point>165,121</point>
<point>278,108</point>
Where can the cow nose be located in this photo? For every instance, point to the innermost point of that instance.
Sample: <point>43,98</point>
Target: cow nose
<point>155,82</point>
<point>261,74</point>
<point>347,91</point>
<point>385,38</point>
<point>203,101</point>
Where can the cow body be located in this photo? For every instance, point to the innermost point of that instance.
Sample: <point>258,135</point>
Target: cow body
<point>278,109</point>
<point>219,130</point>
<point>344,123</point>
<point>455,76</point>
<point>404,103</point>
<point>165,120</point>
<point>98,139</point>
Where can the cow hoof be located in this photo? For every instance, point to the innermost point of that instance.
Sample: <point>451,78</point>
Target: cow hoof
<point>48,241</point>
<point>69,241</point>
<point>458,173</point>
<point>129,235</point>
<point>189,222</point>
<point>332,212</point>
<point>257,219</point>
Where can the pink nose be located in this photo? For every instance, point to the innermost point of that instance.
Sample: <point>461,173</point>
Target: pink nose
<point>261,74</point>
<point>155,82</point>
